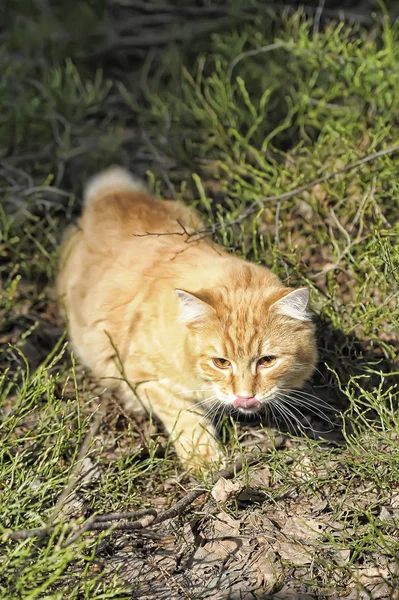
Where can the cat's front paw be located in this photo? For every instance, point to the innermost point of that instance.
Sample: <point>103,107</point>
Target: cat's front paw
<point>199,450</point>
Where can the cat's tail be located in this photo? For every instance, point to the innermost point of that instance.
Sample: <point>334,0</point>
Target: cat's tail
<point>114,179</point>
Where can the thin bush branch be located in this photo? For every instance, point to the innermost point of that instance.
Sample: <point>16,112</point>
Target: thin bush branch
<point>254,52</point>
<point>255,206</point>
<point>259,204</point>
<point>151,37</point>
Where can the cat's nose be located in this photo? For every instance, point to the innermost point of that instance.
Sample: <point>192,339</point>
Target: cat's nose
<point>246,402</point>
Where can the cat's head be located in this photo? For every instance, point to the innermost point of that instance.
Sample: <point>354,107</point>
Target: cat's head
<point>250,346</point>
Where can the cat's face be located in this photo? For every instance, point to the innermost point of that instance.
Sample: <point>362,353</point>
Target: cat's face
<point>247,348</point>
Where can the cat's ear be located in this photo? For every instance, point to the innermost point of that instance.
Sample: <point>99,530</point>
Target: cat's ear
<point>192,310</point>
<point>294,305</point>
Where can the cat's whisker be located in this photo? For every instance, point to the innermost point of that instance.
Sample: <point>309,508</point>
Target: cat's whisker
<point>307,406</point>
<point>313,407</point>
<point>303,402</point>
<point>313,411</point>
<point>311,401</point>
<point>302,391</point>
<point>306,403</point>
<point>290,405</point>
<point>311,397</point>
<point>315,369</point>
<point>290,408</point>
<point>313,429</point>
<point>271,408</point>
<point>278,415</point>
<point>284,408</point>
<point>299,419</point>
<point>221,416</point>
<point>275,404</point>
<point>279,408</point>
<point>208,415</point>
<point>213,406</point>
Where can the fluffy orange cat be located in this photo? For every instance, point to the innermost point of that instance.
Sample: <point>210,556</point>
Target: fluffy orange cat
<point>192,325</point>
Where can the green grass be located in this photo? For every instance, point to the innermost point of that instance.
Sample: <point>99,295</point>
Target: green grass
<point>222,128</point>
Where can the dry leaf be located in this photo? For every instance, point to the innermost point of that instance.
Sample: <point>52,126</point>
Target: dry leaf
<point>295,553</point>
<point>389,516</point>
<point>342,556</point>
<point>223,539</point>
<point>306,529</point>
<point>269,572</point>
<point>373,579</point>
<point>225,489</point>
<point>259,478</point>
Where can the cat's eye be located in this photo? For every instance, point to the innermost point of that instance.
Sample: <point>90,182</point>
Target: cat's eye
<point>221,363</point>
<point>267,361</point>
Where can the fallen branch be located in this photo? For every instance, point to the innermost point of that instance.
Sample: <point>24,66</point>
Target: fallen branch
<point>139,519</point>
<point>131,521</point>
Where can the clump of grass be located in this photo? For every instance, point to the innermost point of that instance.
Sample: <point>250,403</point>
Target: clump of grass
<point>245,114</point>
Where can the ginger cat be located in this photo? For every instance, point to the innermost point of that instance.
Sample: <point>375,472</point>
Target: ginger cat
<point>193,326</point>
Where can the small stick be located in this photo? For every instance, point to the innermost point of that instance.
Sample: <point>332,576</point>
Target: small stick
<point>116,516</point>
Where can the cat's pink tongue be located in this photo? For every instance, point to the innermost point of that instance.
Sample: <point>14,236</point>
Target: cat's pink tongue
<point>246,402</point>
